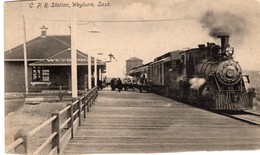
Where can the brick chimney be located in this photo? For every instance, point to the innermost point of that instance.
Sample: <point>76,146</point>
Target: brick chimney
<point>43,31</point>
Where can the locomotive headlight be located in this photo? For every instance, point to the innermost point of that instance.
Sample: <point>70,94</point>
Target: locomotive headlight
<point>229,51</point>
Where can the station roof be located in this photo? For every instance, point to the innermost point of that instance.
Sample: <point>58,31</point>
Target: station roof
<point>53,50</point>
<point>39,48</point>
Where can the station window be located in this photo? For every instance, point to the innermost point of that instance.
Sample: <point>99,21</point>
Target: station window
<point>40,74</point>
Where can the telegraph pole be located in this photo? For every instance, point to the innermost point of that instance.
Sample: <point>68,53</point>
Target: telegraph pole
<point>25,59</point>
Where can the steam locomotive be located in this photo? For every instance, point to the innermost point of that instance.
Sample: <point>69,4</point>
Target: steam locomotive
<point>206,76</point>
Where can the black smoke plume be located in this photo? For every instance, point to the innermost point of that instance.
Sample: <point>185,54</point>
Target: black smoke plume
<point>223,23</point>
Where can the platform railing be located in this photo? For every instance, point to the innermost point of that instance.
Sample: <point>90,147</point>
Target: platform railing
<point>62,129</point>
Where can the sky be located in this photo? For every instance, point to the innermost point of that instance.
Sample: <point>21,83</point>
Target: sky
<point>140,28</point>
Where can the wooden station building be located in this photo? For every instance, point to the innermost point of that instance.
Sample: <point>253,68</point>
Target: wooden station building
<point>49,65</point>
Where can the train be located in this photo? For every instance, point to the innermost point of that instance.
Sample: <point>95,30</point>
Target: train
<point>206,76</point>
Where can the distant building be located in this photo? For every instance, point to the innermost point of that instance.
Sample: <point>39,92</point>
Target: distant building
<point>49,65</point>
<point>133,62</point>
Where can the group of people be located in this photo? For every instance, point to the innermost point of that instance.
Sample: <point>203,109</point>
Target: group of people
<point>125,84</point>
<point>116,83</point>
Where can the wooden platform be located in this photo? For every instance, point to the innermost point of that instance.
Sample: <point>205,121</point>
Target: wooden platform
<point>132,122</point>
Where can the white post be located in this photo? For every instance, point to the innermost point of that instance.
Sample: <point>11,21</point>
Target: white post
<point>100,74</point>
<point>25,59</point>
<point>89,71</point>
<point>95,70</point>
<point>74,80</point>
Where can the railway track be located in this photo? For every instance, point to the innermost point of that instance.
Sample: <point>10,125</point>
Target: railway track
<point>245,116</point>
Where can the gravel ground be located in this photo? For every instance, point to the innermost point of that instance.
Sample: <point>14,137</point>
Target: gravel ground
<point>12,105</point>
<point>28,117</point>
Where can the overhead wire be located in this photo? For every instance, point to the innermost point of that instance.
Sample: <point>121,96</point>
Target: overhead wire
<point>116,21</point>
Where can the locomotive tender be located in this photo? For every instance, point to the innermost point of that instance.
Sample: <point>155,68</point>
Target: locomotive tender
<point>207,76</point>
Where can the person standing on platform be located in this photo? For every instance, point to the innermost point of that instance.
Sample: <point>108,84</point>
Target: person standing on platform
<point>119,84</point>
<point>99,83</point>
<point>112,84</point>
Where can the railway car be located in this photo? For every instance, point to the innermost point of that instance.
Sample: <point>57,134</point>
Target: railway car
<point>206,76</point>
<point>140,75</point>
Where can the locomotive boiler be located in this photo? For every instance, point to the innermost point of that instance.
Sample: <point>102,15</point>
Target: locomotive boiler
<point>207,76</point>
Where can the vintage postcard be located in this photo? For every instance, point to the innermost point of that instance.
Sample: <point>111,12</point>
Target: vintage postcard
<point>131,76</point>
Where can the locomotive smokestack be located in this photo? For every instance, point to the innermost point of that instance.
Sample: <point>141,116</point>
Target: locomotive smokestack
<point>224,42</point>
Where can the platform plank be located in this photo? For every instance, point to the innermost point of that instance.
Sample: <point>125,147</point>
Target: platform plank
<point>132,122</point>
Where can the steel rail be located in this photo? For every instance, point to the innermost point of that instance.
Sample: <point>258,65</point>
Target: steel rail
<point>240,119</point>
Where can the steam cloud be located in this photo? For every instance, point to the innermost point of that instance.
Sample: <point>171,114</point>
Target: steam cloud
<point>223,23</point>
<point>196,83</point>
